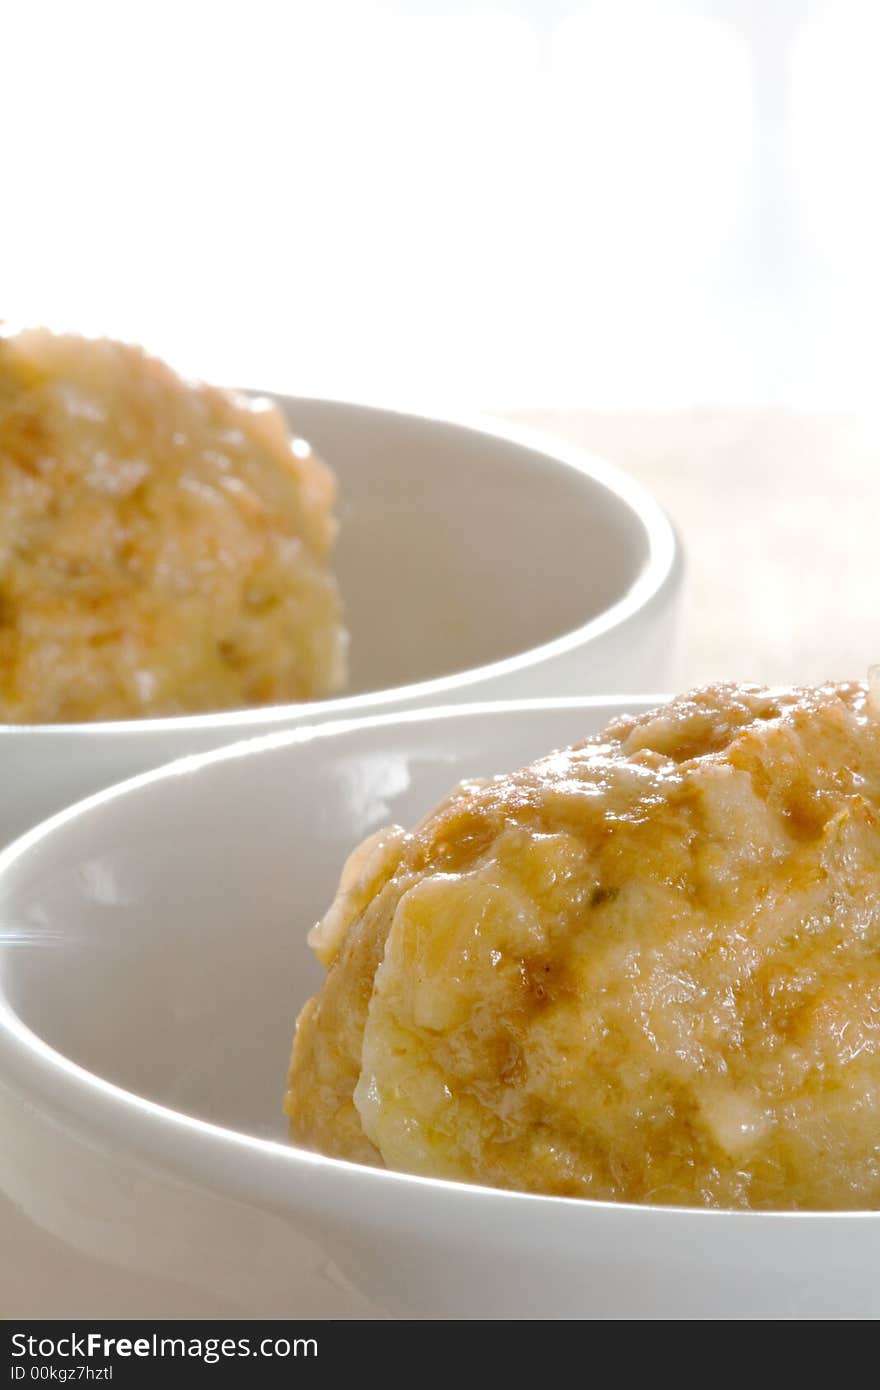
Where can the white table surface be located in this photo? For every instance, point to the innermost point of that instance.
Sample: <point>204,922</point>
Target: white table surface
<point>780,519</point>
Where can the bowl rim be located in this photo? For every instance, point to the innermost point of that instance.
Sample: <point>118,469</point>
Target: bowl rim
<point>660,572</point>
<point>56,1085</point>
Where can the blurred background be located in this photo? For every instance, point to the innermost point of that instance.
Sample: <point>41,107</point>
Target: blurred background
<point>649,225</point>
<point>604,202</point>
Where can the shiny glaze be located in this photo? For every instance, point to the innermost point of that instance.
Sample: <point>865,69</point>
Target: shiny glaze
<point>644,968</point>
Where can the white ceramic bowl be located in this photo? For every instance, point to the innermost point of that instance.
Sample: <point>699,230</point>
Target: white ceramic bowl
<point>152,965</point>
<point>474,562</point>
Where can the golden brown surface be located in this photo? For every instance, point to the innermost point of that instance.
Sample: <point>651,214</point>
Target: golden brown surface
<point>163,546</point>
<point>646,968</point>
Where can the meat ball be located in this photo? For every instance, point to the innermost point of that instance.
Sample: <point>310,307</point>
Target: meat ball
<point>645,968</point>
<point>163,546</point>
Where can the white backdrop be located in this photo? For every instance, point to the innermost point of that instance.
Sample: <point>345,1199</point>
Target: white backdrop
<point>609,203</point>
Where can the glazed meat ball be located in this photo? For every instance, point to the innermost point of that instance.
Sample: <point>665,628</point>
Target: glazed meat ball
<point>645,968</point>
<point>163,546</point>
